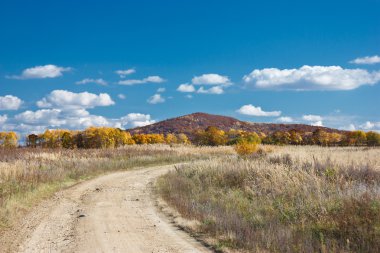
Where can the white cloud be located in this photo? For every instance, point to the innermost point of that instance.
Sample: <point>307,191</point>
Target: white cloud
<point>350,127</point>
<point>186,88</point>
<point>312,78</point>
<point>257,111</point>
<point>124,73</point>
<point>367,125</point>
<point>161,90</point>
<point>285,119</point>
<point>121,96</point>
<point>41,117</point>
<point>3,119</point>
<point>99,81</point>
<point>317,123</point>
<point>40,120</point>
<point>40,72</point>
<point>315,120</point>
<point>217,81</point>
<point>10,102</point>
<point>68,100</point>
<point>367,60</point>
<point>156,99</point>
<point>311,117</point>
<point>85,122</point>
<point>149,79</point>
<point>136,120</point>
<point>211,79</point>
<point>213,90</point>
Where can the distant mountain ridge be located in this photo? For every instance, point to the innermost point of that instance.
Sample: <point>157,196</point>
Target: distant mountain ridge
<point>188,124</point>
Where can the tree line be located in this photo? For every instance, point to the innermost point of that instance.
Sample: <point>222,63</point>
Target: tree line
<point>106,137</point>
<point>214,136</point>
<point>99,137</point>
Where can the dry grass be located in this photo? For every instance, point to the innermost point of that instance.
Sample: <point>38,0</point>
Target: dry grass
<point>29,175</point>
<point>295,199</point>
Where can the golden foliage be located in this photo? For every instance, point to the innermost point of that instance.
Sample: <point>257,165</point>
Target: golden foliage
<point>245,148</point>
<point>8,139</point>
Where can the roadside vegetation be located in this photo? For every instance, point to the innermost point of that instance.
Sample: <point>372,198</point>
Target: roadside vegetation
<point>282,199</point>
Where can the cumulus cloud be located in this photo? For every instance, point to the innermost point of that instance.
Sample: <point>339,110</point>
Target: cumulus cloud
<point>124,73</point>
<point>186,88</point>
<point>149,79</point>
<point>41,117</point>
<point>218,83</point>
<point>190,88</point>
<point>367,60</point>
<point>99,81</point>
<point>312,78</point>
<point>213,90</point>
<point>368,125</point>
<point>317,123</point>
<point>10,102</point>
<point>314,120</point>
<point>257,111</point>
<point>3,119</point>
<point>211,79</point>
<point>40,72</point>
<point>285,119</point>
<point>67,99</point>
<point>136,120</point>
<point>40,120</point>
<point>156,99</point>
<point>311,117</point>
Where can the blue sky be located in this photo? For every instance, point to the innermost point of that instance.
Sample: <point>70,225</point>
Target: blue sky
<point>261,61</point>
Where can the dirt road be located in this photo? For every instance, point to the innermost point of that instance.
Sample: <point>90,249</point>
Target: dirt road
<point>112,213</point>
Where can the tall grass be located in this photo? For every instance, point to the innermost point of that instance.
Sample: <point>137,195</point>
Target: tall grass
<point>296,199</point>
<point>29,175</point>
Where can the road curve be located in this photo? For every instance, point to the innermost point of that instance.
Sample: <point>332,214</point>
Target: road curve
<point>111,213</point>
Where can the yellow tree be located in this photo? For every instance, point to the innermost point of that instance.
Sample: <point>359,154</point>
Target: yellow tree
<point>183,139</point>
<point>171,139</point>
<point>8,139</point>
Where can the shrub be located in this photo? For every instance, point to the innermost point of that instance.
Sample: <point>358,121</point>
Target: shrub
<point>245,148</point>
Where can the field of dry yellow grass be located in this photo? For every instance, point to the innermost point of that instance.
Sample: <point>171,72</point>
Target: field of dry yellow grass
<point>288,199</point>
<point>280,199</point>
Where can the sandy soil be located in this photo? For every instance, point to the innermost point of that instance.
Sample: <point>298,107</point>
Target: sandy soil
<point>112,213</point>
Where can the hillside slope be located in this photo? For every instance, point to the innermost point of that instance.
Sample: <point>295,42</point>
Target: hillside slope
<point>189,123</point>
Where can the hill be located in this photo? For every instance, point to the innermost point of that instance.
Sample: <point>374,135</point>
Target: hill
<point>189,123</point>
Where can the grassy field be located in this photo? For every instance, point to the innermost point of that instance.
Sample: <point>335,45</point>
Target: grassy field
<point>294,199</point>
<point>29,175</point>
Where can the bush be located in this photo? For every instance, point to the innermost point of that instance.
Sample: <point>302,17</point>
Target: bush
<point>245,148</point>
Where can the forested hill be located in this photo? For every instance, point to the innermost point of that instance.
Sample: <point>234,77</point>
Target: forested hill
<point>189,123</point>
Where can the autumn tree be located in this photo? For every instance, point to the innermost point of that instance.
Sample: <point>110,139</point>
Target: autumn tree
<point>320,137</point>
<point>8,139</point>
<point>32,140</point>
<point>212,136</point>
<point>295,137</point>
<point>355,138</point>
<point>183,139</point>
<point>171,139</point>
<point>277,138</point>
<point>373,139</point>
